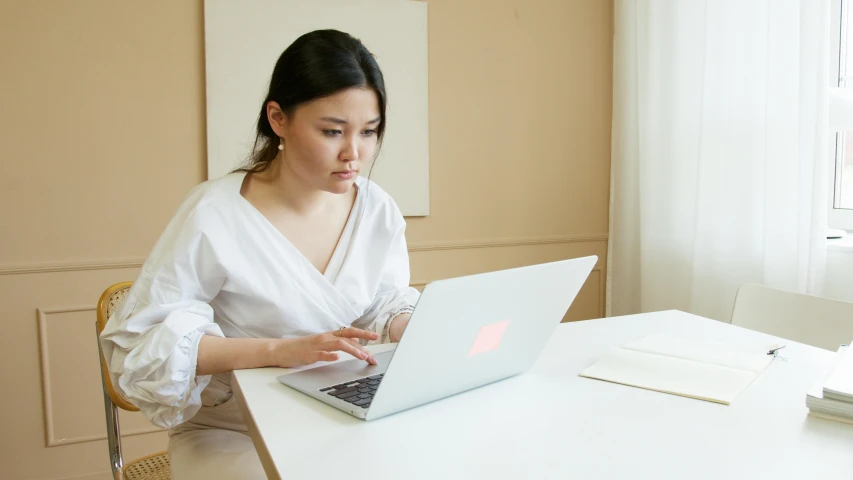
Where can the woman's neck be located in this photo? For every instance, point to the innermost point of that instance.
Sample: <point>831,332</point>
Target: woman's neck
<point>293,193</point>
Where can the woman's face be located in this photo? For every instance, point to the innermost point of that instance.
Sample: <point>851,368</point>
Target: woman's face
<point>327,141</point>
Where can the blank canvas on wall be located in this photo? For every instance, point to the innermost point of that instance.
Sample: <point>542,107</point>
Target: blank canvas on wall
<point>243,40</point>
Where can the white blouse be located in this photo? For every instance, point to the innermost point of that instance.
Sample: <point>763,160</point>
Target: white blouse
<point>221,268</point>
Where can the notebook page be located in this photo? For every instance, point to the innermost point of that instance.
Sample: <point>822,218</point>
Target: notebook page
<point>840,381</point>
<point>817,388</point>
<point>672,375</point>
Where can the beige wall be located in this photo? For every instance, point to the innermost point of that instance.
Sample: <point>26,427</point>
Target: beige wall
<point>102,134</point>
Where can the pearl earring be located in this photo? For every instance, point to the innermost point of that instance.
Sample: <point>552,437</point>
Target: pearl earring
<point>280,144</point>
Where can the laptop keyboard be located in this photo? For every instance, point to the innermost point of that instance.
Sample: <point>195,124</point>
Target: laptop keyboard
<point>358,392</point>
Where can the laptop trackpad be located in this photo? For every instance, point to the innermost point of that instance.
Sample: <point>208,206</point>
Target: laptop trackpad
<point>336,373</point>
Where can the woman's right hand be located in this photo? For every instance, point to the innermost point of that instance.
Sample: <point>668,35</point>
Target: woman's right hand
<point>296,352</point>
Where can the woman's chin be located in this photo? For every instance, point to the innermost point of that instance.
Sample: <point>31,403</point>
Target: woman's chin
<point>340,186</point>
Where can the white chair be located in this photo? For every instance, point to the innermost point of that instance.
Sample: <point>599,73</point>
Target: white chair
<point>816,321</point>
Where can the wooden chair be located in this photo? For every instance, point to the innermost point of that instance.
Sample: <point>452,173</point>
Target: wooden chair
<point>151,467</point>
<point>816,321</point>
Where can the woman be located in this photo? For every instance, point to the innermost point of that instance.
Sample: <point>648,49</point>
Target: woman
<point>282,263</point>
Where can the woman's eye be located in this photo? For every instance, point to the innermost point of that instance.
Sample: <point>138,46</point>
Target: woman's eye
<point>368,133</point>
<point>332,133</point>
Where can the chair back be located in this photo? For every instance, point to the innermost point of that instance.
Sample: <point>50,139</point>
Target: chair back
<point>109,301</point>
<point>816,321</point>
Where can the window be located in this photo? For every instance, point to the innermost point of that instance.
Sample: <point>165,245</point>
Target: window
<point>841,188</point>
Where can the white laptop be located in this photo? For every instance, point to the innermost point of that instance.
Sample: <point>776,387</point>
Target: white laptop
<point>465,332</point>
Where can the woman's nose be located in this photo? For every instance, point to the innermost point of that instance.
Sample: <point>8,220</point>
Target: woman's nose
<point>350,151</point>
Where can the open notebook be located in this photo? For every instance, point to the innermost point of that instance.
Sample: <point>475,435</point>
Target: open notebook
<point>710,371</point>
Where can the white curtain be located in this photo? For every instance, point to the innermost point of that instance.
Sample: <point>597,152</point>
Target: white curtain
<point>720,152</point>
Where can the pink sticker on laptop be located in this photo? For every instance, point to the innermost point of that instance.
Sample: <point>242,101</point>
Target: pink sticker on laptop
<point>489,338</point>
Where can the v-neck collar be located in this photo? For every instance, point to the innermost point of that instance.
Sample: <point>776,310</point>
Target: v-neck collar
<point>339,254</point>
<point>338,258</point>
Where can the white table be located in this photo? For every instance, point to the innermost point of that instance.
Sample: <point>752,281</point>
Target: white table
<point>551,423</point>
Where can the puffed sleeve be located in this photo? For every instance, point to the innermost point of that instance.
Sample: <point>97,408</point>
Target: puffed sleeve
<point>150,343</point>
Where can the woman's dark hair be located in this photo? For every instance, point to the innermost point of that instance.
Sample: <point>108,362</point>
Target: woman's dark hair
<point>318,64</point>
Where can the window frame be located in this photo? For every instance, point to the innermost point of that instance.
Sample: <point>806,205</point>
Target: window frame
<point>840,218</point>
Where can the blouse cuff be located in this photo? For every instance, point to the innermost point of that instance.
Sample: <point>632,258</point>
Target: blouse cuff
<point>386,330</point>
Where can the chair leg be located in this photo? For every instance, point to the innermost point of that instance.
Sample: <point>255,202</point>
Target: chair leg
<point>113,438</point>
<point>113,434</point>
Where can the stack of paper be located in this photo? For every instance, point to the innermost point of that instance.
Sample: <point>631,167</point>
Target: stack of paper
<point>832,398</point>
<point>704,370</point>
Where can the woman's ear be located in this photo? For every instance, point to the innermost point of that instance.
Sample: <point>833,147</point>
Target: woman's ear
<point>277,118</point>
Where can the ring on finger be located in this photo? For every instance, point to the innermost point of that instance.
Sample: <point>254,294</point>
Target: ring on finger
<point>341,331</point>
